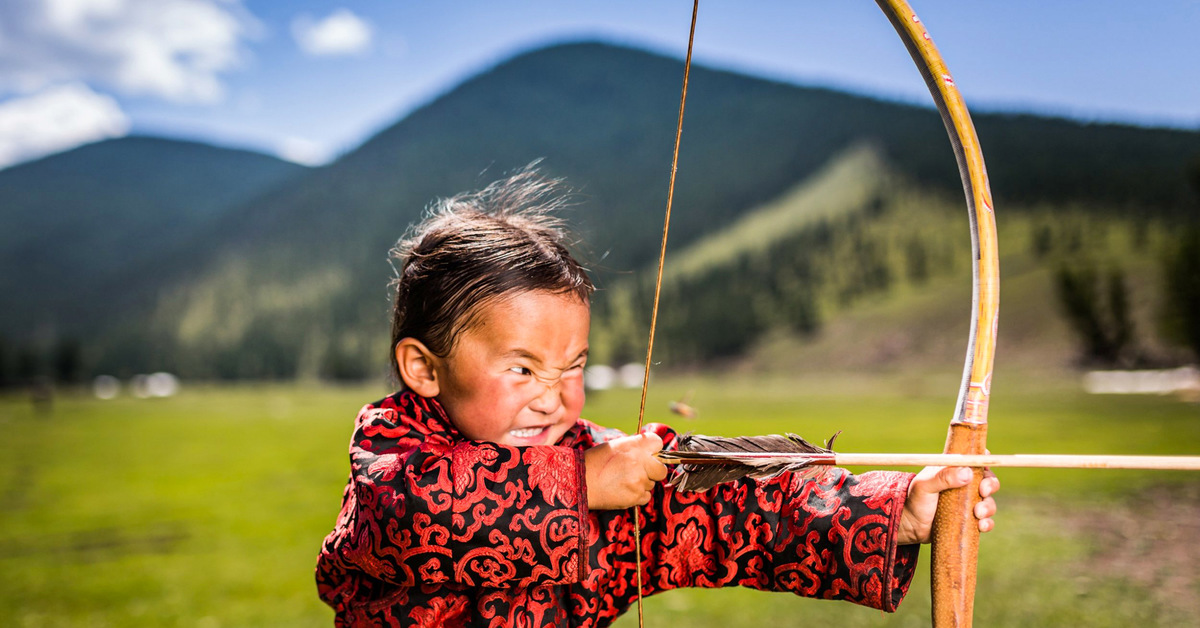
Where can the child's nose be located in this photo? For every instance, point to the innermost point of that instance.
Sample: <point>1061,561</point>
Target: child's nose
<point>549,400</point>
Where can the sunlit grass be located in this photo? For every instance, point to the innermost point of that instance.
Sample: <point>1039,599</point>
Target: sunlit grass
<point>208,508</point>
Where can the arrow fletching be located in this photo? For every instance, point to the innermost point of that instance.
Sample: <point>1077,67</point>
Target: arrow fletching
<point>706,461</point>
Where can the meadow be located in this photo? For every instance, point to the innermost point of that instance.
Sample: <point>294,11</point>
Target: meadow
<point>207,508</point>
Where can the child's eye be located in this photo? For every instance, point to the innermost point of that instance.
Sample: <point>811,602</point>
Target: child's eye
<point>520,370</point>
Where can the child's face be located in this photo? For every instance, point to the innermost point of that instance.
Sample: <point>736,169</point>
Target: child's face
<point>515,377</point>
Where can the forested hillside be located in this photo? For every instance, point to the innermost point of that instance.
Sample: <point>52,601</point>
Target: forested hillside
<point>858,268</point>
<point>83,227</point>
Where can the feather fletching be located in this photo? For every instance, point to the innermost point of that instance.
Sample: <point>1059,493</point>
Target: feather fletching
<point>706,461</point>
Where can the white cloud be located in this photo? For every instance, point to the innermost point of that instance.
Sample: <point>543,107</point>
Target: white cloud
<point>173,49</point>
<point>305,152</point>
<point>342,33</point>
<point>56,119</point>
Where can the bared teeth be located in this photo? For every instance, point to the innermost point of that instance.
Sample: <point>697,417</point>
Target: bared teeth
<point>528,432</point>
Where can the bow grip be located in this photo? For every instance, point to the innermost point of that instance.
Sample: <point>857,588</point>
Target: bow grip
<point>956,536</point>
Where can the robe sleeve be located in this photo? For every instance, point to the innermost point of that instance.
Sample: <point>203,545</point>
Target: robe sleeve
<point>831,536</point>
<point>423,508</point>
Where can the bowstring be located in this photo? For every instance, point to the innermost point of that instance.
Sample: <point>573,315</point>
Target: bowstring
<point>662,257</point>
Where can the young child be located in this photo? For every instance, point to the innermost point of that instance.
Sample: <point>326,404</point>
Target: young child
<point>479,497</point>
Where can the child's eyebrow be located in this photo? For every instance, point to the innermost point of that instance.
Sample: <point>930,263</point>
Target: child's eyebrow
<point>522,353</point>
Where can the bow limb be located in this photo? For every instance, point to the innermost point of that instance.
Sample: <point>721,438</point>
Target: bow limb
<point>955,530</point>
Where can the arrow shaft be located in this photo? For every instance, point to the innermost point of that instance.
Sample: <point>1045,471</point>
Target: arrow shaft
<point>1045,461</point>
<point>1052,461</point>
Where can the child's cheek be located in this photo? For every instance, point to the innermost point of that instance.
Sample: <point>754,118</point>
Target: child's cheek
<point>573,398</point>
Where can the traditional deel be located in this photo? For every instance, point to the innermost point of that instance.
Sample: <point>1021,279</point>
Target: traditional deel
<point>437,530</point>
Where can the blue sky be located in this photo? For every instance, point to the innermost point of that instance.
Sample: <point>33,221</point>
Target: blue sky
<point>308,80</point>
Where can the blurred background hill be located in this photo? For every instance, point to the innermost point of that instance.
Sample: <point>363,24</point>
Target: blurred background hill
<point>813,229</point>
<point>84,226</point>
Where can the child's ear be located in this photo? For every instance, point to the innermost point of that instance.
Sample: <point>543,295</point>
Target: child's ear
<point>417,370</point>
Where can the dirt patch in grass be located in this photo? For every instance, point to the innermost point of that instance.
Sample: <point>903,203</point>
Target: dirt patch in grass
<point>99,544</point>
<point>1151,541</point>
<point>14,496</point>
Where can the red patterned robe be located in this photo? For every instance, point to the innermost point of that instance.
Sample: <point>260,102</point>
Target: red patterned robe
<point>437,530</point>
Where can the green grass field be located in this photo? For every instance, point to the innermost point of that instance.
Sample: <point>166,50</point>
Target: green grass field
<point>207,509</point>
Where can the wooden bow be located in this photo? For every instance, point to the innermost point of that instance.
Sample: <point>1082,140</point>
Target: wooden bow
<point>955,530</point>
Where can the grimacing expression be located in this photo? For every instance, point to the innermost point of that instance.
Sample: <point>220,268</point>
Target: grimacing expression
<point>515,375</point>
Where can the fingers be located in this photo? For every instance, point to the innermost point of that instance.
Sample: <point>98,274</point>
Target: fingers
<point>651,443</point>
<point>933,480</point>
<point>989,485</point>
<point>656,470</point>
<point>984,511</point>
<point>624,471</point>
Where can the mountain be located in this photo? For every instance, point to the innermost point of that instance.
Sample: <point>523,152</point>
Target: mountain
<point>604,117</point>
<point>292,281</point>
<point>79,225</point>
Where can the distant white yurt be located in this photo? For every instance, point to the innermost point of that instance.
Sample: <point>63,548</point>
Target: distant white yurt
<point>106,387</point>
<point>631,375</point>
<point>599,377</point>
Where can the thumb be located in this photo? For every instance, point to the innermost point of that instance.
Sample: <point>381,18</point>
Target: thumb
<point>650,442</point>
<point>664,432</point>
<point>944,479</point>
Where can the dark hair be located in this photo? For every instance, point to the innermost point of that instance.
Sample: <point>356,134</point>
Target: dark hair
<point>477,247</point>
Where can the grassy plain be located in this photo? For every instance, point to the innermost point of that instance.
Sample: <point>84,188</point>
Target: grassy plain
<point>207,509</point>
